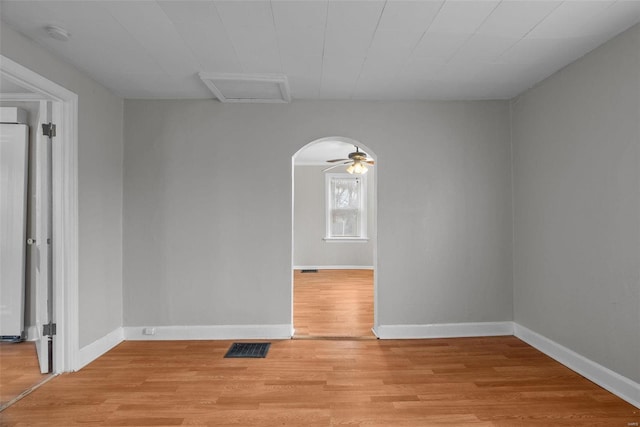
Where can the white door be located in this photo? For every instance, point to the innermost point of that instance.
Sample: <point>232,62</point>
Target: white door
<point>41,232</point>
<point>13,189</point>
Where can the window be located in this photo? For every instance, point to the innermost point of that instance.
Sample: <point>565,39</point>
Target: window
<point>346,207</point>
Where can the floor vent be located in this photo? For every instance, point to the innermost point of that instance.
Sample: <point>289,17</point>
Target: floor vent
<point>248,350</point>
<point>308,271</point>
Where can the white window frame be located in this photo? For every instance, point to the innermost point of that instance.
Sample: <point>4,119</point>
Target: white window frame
<point>362,237</point>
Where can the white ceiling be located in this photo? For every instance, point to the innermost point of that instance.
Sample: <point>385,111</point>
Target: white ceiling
<point>321,151</point>
<point>374,50</point>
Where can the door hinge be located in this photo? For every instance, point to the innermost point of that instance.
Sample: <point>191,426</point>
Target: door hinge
<point>49,129</point>
<point>49,329</point>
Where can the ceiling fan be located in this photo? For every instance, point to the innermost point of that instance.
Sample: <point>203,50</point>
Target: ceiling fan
<point>358,160</point>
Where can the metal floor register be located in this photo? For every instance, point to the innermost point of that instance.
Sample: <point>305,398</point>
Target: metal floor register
<point>250,350</point>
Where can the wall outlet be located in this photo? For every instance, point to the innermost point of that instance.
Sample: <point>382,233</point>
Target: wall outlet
<point>148,331</point>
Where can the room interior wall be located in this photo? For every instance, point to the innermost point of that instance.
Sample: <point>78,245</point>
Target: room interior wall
<point>209,242</point>
<point>576,163</point>
<point>310,248</point>
<point>100,150</point>
<point>208,228</point>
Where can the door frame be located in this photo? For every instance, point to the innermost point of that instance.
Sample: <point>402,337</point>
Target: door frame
<point>65,266</point>
<point>373,217</point>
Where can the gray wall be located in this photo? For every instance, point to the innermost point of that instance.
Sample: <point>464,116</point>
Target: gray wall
<point>576,161</point>
<point>100,147</point>
<point>310,248</point>
<point>207,208</point>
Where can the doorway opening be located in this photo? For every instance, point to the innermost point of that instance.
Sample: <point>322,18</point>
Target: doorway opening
<point>25,258</point>
<point>55,333</point>
<point>334,240</point>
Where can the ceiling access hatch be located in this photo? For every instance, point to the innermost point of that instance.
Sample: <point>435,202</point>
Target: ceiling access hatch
<point>263,88</point>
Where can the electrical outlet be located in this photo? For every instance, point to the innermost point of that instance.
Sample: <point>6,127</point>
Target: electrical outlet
<point>148,331</point>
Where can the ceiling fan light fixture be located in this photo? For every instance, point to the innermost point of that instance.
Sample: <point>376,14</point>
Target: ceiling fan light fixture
<point>357,162</point>
<point>358,168</point>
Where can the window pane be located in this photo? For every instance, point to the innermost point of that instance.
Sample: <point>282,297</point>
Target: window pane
<point>346,193</point>
<point>344,223</point>
<point>345,215</point>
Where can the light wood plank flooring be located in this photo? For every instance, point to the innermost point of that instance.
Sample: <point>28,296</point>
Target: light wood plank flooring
<point>333,303</point>
<point>497,381</point>
<point>19,369</point>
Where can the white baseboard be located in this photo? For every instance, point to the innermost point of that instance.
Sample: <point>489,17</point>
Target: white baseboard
<point>444,330</point>
<point>615,383</point>
<point>333,267</point>
<point>209,332</point>
<point>91,352</point>
<point>32,333</point>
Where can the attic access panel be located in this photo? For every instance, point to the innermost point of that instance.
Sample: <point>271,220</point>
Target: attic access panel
<point>262,88</point>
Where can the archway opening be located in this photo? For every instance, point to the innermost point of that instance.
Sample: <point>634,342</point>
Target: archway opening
<point>334,239</point>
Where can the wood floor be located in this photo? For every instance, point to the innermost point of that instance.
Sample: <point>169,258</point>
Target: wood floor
<point>336,303</point>
<point>498,381</point>
<point>19,369</point>
<point>495,381</point>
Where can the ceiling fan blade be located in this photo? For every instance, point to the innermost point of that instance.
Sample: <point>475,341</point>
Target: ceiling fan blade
<point>370,162</point>
<point>333,167</point>
<point>337,160</point>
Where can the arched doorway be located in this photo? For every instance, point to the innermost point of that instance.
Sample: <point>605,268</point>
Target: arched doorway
<point>334,248</point>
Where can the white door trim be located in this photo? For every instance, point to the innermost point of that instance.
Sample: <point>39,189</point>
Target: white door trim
<point>41,217</point>
<point>65,208</point>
